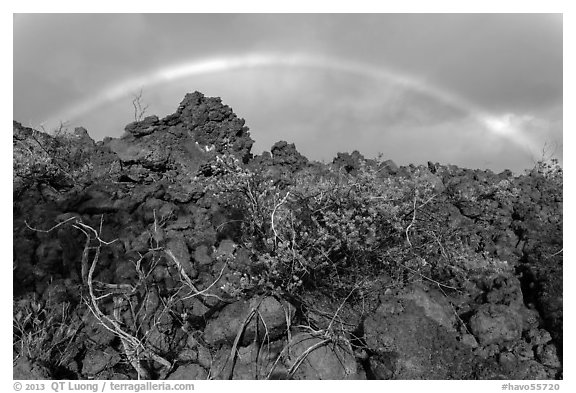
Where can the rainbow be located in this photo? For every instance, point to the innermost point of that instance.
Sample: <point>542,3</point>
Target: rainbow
<point>499,125</point>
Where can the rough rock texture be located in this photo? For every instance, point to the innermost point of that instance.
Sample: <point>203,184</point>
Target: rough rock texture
<point>180,141</point>
<point>326,361</point>
<point>285,154</point>
<point>213,123</point>
<point>97,360</point>
<point>171,252</point>
<point>251,362</point>
<point>414,335</point>
<point>189,372</point>
<point>407,344</point>
<point>494,324</point>
<point>281,163</point>
<point>433,303</point>
<point>349,162</point>
<point>24,369</point>
<point>144,127</point>
<point>271,316</point>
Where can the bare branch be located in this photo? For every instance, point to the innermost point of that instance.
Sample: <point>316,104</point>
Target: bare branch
<point>276,206</point>
<point>188,281</point>
<point>413,220</point>
<point>51,229</point>
<point>96,234</point>
<point>342,304</point>
<point>556,253</point>
<point>133,347</point>
<point>139,107</point>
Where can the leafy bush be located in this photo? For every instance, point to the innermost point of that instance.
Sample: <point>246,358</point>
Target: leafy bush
<point>59,161</point>
<point>552,173</point>
<point>323,227</point>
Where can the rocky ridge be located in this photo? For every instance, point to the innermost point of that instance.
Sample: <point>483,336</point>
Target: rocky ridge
<point>163,235</point>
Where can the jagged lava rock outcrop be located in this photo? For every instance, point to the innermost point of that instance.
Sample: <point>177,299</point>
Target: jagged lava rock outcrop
<point>175,143</point>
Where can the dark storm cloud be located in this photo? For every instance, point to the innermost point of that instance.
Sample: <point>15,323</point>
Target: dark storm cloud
<point>498,59</point>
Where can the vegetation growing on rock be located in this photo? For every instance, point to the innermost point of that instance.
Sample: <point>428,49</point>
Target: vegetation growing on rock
<point>173,248</point>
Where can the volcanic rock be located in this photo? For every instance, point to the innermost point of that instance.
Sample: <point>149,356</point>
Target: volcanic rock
<point>492,324</point>
<point>188,372</point>
<point>326,361</point>
<point>271,321</point>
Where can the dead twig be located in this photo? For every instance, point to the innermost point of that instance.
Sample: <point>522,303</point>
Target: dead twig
<point>304,355</point>
<point>276,207</point>
<point>96,234</point>
<point>233,352</point>
<point>51,229</point>
<point>413,219</point>
<point>133,347</point>
<point>188,280</point>
<point>342,305</point>
<point>203,292</point>
<point>556,253</point>
<point>139,108</point>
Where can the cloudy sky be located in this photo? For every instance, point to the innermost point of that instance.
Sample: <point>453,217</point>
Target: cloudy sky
<point>476,90</point>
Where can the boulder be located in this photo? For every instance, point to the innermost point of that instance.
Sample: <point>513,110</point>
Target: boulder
<point>97,360</point>
<point>414,338</point>
<point>548,356</point>
<point>179,249</point>
<point>151,154</point>
<point>93,329</point>
<point>433,303</point>
<point>143,127</point>
<point>349,162</point>
<point>389,168</point>
<point>271,321</point>
<point>189,372</point>
<point>285,154</point>
<point>505,290</point>
<point>26,369</point>
<point>213,124</point>
<point>252,362</point>
<point>329,361</point>
<point>495,323</point>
